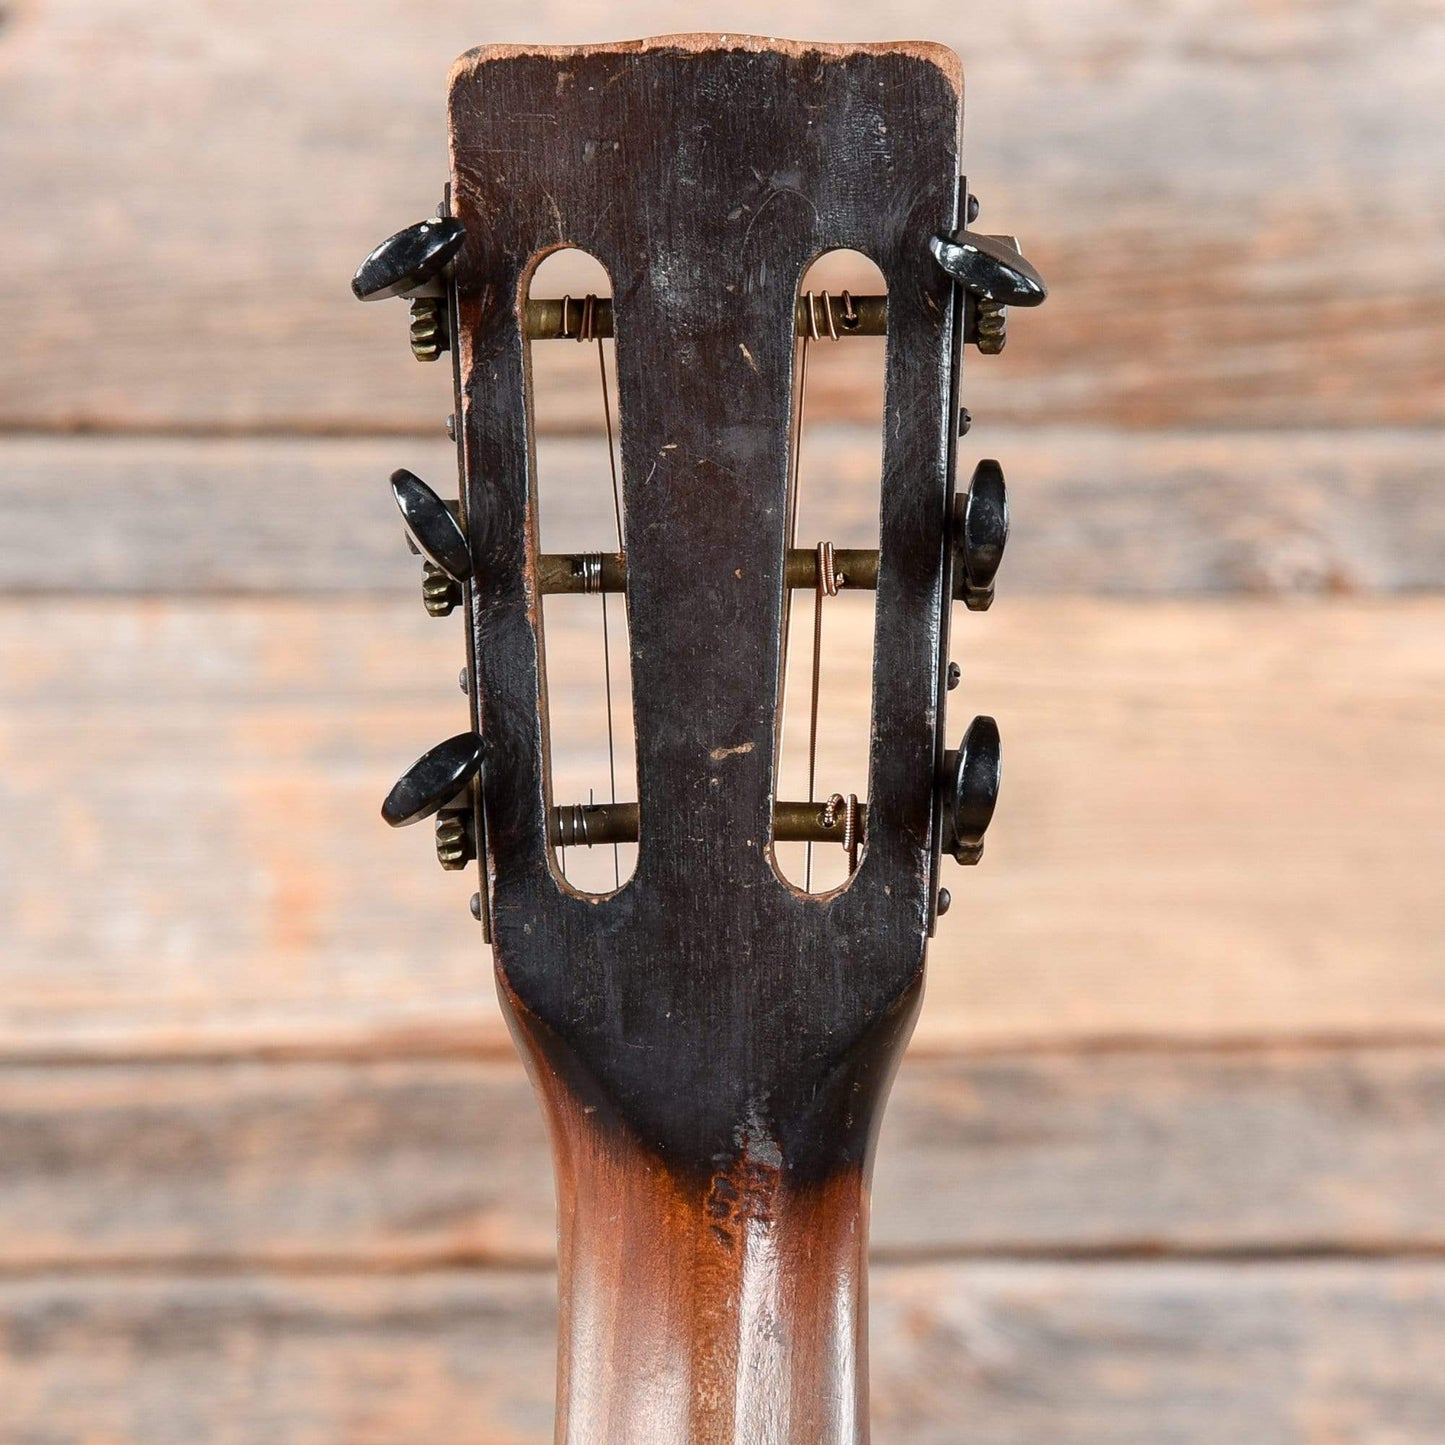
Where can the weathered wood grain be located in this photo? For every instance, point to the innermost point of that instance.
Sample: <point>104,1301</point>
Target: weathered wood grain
<point>1093,511</point>
<point>1217,818</point>
<point>1198,182</point>
<point>415,1163</point>
<point>1138,1355</point>
<point>991,1354</point>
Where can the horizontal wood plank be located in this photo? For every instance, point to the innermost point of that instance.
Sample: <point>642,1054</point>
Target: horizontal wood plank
<point>1218,818</point>
<point>415,1163</point>
<point>1192,178</point>
<point>994,1354</point>
<point>1093,511</point>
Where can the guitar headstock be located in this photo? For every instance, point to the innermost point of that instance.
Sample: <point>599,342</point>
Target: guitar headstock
<point>708,995</point>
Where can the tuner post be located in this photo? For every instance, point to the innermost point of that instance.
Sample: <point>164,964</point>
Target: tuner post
<point>588,825</point>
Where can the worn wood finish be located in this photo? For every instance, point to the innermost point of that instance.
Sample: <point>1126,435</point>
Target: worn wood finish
<point>991,1354</point>
<point>1183,853</point>
<point>1185,189</point>
<point>1094,512</point>
<point>713,1047</point>
<point>721,1306</point>
<point>414,1163</point>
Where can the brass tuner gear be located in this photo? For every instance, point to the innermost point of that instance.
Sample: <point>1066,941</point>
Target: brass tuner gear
<point>429,335</point>
<point>439,593</point>
<point>454,841</point>
<point>991,326</point>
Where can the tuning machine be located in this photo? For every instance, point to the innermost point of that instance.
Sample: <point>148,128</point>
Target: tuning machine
<point>969,793</point>
<point>996,275</point>
<point>980,532</point>
<point>991,267</point>
<point>415,265</point>
<point>434,532</point>
<point>440,783</point>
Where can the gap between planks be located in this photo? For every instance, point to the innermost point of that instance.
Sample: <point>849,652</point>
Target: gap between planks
<point>461,1263</point>
<point>1094,510</point>
<point>449,1043</point>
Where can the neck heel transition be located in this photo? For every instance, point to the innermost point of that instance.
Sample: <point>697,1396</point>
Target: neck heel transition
<point>721,1310</point>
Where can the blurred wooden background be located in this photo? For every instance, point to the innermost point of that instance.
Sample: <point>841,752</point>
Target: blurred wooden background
<point>1167,1161</point>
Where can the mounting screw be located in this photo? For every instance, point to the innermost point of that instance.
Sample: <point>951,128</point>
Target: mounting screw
<point>451,426</point>
<point>454,840</point>
<point>945,901</point>
<point>429,336</point>
<point>440,594</point>
<point>464,680</point>
<point>955,674</point>
<point>971,209</point>
<point>965,420</point>
<point>476,906</point>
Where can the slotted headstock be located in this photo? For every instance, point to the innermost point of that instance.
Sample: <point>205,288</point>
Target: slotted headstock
<point>706,174</point>
<point>709,991</point>
<point>711,1040</point>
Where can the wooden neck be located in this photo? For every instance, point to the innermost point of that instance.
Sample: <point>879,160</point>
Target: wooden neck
<point>724,1304</point>
<point>722,1309</point>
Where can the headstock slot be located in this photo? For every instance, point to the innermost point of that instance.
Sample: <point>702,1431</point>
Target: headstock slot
<point>589,747</point>
<point>825,734</point>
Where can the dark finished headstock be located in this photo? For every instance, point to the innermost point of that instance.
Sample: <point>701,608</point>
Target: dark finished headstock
<point>710,1041</point>
<point>710,1005</point>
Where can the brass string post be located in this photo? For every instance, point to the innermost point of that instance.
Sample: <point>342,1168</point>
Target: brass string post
<point>839,820</point>
<point>818,315</point>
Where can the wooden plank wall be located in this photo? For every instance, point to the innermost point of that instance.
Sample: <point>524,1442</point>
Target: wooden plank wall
<point>1166,1162</point>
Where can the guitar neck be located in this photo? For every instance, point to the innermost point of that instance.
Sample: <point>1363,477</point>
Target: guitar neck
<point>725,1306</point>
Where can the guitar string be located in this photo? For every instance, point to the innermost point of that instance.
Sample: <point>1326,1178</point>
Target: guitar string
<point>825,583</point>
<point>606,643</point>
<point>794,491</point>
<point>828,580</point>
<point>818,596</point>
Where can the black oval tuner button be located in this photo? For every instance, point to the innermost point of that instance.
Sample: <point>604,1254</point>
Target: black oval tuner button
<point>990,267</point>
<point>433,529</point>
<point>981,532</point>
<point>407,261</point>
<point>434,780</point>
<point>971,789</point>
